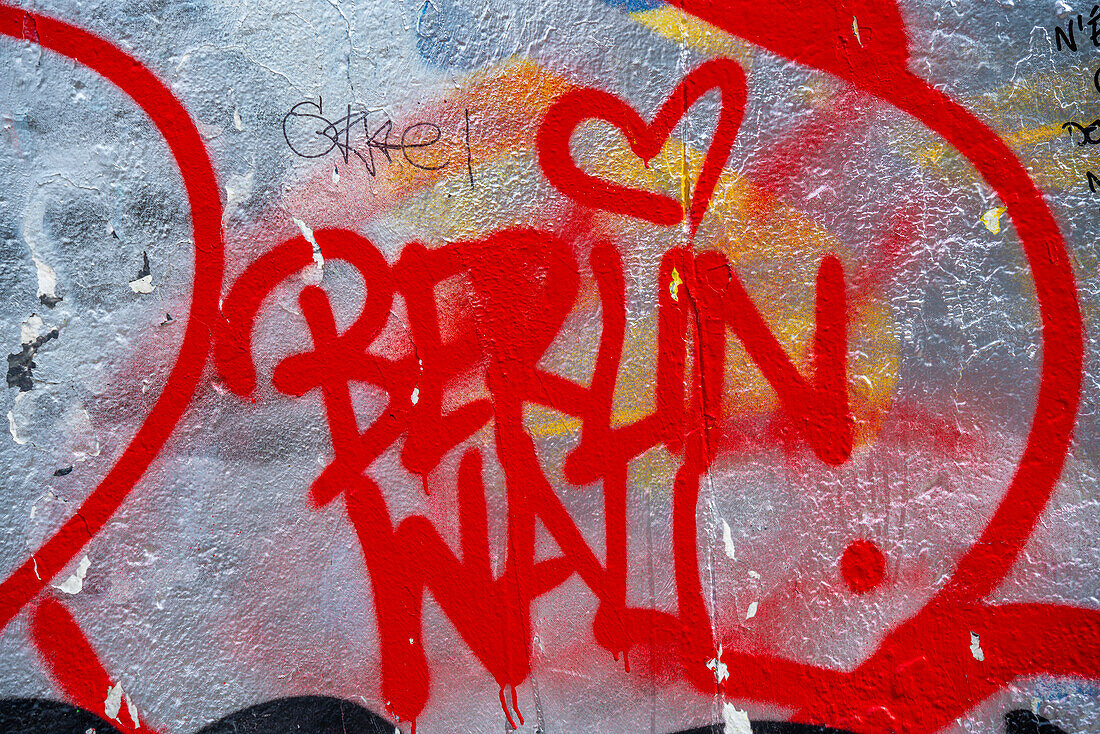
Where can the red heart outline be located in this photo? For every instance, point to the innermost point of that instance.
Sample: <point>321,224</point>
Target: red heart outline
<point>187,148</point>
<point>645,140</point>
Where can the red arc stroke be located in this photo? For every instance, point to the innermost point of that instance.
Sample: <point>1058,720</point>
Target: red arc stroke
<point>173,122</point>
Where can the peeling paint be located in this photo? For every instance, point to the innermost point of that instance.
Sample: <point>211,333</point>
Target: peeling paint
<point>735,720</point>
<point>75,583</point>
<point>976,647</point>
<point>727,541</point>
<point>992,219</point>
<point>316,273</point>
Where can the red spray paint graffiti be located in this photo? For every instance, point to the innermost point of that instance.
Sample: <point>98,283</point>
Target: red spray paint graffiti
<point>524,283</point>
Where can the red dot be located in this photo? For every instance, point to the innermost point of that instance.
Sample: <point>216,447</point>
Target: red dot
<point>863,566</point>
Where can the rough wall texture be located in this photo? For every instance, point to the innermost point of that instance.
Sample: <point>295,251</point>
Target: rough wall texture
<point>593,366</point>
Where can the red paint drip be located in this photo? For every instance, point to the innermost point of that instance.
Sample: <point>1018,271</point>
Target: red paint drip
<point>504,708</point>
<point>515,706</point>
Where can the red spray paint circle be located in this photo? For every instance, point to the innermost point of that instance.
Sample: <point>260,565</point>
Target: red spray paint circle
<point>863,566</point>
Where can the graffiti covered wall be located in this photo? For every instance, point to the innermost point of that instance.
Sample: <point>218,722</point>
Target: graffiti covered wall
<point>600,366</point>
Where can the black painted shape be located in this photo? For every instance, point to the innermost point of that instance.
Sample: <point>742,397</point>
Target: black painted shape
<point>325,715</point>
<point>40,716</point>
<point>302,715</point>
<point>1022,721</point>
<point>21,363</point>
<point>772,727</point>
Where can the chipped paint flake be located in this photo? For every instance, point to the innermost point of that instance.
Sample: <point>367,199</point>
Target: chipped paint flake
<point>316,273</point>
<point>113,703</point>
<point>752,611</point>
<point>112,706</point>
<point>143,284</point>
<point>47,281</point>
<point>75,583</point>
<point>720,669</point>
<point>735,720</point>
<point>855,30</point>
<point>33,223</point>
<point>131,710</point>
<point>31,329</point>
<point>992,219</point>
<point>12,424</point>
<point>727,540</point>
<point>976,647</point>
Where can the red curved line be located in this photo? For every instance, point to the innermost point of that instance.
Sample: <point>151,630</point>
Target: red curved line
<point>173,122</point>
<point>1060,639</point>
<point>73,663</point>
<point>1038,628</point>
<point>990,558</point>
<point>881,70</point>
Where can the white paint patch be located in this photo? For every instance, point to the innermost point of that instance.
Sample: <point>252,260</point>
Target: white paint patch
<point>112,705</point>
<point>315,274</point>
<point>992,219</point>
<point>238,190</point>
<point>47,279</point>
<point>754,575</point>
<point>976,647</point>
<point>144,284</point>
<point>752,611</point>
<point>720,670</point>
<point>113,702</point>
<point>31,329</point>
<point>131,709</point>
<point>727,539</point>
<point>75,583</point>
<point>11,429</point>
<point>415,397</point>
<point>735,720</point>
<point>33,222</point>
<point>237,121</point>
